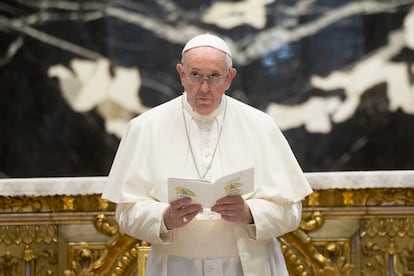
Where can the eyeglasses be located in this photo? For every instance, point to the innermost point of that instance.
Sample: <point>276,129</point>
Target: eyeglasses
<point>214,79</point>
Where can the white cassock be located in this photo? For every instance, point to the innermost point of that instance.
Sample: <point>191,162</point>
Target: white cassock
<point>155,147</point>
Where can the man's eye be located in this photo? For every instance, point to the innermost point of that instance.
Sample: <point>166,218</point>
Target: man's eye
<point>195,74</point>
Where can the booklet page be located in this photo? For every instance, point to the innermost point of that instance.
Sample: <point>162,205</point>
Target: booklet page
<point>206,193</point>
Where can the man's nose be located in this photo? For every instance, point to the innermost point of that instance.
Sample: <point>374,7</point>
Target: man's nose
<point>205,85</point>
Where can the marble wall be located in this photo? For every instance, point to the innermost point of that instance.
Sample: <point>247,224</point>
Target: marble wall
<point>336,75</point>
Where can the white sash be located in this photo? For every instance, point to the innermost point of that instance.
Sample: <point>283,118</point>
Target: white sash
<point>201,238</point>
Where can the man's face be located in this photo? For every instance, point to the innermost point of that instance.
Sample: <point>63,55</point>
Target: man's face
<point>205,77</point>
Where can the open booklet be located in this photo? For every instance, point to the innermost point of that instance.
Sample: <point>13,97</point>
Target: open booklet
<point>206,193</point>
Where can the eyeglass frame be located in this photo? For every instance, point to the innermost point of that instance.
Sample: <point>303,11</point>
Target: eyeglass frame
<point>197,79</point>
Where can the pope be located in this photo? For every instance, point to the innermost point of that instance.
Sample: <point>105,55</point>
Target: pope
<point>204,133</point>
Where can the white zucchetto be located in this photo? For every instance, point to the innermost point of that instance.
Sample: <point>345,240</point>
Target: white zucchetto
<point>208,40</point>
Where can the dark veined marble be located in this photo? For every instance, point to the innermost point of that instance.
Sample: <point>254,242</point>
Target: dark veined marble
<point>336,75</point>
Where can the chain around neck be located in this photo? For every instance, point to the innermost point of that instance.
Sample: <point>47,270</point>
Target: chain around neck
<point>202,176</point>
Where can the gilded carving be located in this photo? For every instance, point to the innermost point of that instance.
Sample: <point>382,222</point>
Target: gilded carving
<point>20,204</point>
<point>32,204</point>
<point>361,197</point>
<point>9,265</point>
<point>34,260</point>
<point>313,199</point>
<point>117,257</point>
<point>348,197</point>
<point>106,225</point>
<point>28,254</point>
<point>404,262</point>
<point>391,227</point>
<point>143,252</point>
<point>380,240</point>
<point>319,198</point>
<point>387,246</point>
<point>307,257</point>
<point>68,203</point>
<point>83,257</point>
<point>103,204</point>
<point>28,249</point>
<point>27,234</point>
<point>125,250</point>
<point>311,221</point>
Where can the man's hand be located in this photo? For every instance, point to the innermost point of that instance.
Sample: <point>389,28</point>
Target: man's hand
<point>234,209</point>
<point>180,212</point>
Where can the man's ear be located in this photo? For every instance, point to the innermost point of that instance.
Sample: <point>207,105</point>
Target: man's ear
<point>179,68</point>
<point>233,73</point>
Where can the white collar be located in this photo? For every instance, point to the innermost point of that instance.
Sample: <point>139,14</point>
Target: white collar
<point>218,112</point>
